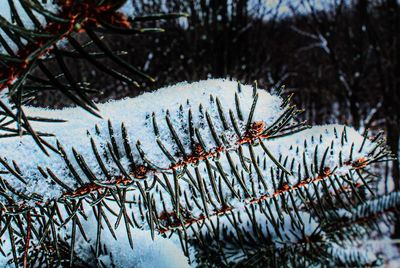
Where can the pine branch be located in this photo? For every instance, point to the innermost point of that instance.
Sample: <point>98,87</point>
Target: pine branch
<point>243,187</point>
<point>32,46</point>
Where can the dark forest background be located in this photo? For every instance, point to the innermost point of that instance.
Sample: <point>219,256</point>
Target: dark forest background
<point>340,58</point>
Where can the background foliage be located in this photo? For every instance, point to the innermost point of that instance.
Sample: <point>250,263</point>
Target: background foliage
<point>341,57</point>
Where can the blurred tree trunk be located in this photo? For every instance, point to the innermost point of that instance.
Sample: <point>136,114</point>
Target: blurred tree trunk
<point>390,70</point>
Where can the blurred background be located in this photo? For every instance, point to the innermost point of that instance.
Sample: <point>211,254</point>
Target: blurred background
<point>340,57</point>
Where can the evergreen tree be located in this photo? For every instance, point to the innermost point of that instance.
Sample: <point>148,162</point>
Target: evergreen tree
<point>221,169</point>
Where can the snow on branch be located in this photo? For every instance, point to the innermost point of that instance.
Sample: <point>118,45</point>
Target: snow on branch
<point>186,157</point>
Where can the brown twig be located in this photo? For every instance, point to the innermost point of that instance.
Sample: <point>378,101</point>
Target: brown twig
<point>81,14</point>
<point>176,223</point>
<point>141,171</point>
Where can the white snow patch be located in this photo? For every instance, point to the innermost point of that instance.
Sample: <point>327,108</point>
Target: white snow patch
<point>136,115</point>
<point>162,252</point>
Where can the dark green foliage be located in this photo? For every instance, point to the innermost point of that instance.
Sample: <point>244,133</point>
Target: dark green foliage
<point>39,63</point>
